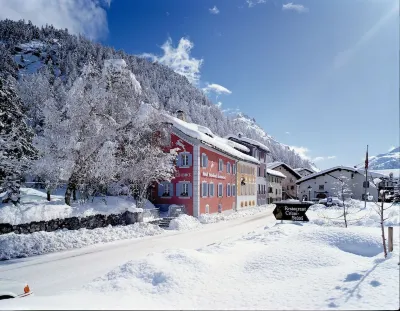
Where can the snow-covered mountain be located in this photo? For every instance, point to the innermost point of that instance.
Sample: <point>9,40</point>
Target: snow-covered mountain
<point>385,161</point>
<point>56,57</point>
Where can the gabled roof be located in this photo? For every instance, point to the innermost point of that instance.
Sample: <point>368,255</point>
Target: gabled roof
<point>275,173</point>
<point>329,170</point>
<point>249,141</point>
<point>274,165</point>
<point>299,169</point>
<point>204,135</point>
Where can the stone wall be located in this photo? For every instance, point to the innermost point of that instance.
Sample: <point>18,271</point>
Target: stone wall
<point>74,223</point>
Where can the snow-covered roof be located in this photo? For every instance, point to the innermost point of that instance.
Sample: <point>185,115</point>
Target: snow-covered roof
<point>299,169</point>
<point>275,164</point>
<point>275,173</point>
<point>249,140</point>
<point>332,169</point>
<point>205,135</point>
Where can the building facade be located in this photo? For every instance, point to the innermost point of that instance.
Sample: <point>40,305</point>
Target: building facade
<point>206,172</point>
<point>274,180</point>
<point>289,186</point>
<point>327,183</point>
<point>246,184</point>
<point>260,152</point>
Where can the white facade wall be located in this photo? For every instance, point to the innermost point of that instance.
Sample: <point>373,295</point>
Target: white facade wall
<point>331,188</point>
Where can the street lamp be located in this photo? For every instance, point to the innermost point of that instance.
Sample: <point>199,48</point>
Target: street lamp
<point>309,193</point>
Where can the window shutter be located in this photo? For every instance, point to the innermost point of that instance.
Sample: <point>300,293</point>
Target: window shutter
<point>190,189</point>
<point>190,159</point>
<point>171,189</point>
<point>206,161</point>
<point>179,160</point>
<point>160,189</point>
<point>178,189</point>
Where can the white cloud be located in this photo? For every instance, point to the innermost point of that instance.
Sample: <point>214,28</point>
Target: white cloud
<point>214,10</point>
<point>301,151</point>
<point>294,7</point>
<point>391,148</point>
<point>179,59</point>
<point>219,104</point>
<point>252,3</point>
<point>88,17</point>
<point>343,57</point>
<point>287,133</point>
<point>319,159</point>
<point>216,88</point>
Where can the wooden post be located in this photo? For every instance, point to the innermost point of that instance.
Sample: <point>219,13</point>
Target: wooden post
<point>390,238</point>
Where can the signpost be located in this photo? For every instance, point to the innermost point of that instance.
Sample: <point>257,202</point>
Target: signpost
<point>291,210</point>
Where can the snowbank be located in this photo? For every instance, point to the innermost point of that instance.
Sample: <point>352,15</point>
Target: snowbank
<point>213,218</point>
<point>184,222</point>
<point>356,214</point>
<point>24,245</point>
<point>335,268</point>
<point>35,207</point>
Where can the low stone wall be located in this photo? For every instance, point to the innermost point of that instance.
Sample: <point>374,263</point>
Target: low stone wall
<point>74,223</point>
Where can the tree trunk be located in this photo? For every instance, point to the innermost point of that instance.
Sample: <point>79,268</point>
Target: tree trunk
<point>344,210</point>
<point>74,194</point>
<point>382,226</point>
<point>70,188</point>
<point>48,194</point>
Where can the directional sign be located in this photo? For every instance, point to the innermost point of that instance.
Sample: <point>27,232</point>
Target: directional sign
<point>289,210</point>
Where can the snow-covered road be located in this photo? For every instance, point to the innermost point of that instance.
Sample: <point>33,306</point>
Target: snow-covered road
<point>52,273</point>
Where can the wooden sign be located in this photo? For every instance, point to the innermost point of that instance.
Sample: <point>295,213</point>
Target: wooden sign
<point>289,210</point>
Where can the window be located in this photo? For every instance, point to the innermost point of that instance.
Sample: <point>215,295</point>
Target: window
<point>184,159</point>
<point>211,189</point>
<point>228,167</point>
<point>228,190</point>
<point>204,160</point>
<point>270,190</point>
<point>276,191</point>
<point>259,189</point>
<point>233,190</point>
<point>165,189</point>
<point>204,188</point>
<point>184,189</point>
<point>321,187</point>
<point>220,165</point>
<point>220,190</point>
<point>233,168</point>
<point>291,187</point>
<point>259,171</point>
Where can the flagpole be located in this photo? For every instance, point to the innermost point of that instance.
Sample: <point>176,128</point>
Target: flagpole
<point>366,179</point>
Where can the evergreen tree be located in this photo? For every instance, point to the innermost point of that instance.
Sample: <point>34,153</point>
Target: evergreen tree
<point>16,149</point>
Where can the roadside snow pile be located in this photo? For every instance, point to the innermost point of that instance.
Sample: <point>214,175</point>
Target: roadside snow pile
<point>25,245</point>
<point>35,207</point>
<point>184,222</point>
<point>213,218</point>
<point>338,268</point>
<point>356,214</point>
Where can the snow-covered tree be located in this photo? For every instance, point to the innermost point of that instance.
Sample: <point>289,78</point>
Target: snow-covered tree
<point>16,149</point>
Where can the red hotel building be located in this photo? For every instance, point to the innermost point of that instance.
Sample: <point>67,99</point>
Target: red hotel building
<point>205,181</point>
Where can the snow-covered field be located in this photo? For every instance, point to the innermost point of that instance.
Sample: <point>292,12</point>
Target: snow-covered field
<point>282,266</point>
<point>35,207</point>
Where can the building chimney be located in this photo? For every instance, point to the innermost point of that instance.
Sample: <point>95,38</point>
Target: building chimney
<point>181,115</point>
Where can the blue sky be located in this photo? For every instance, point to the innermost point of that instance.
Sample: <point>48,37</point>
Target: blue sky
<point>319,75</point>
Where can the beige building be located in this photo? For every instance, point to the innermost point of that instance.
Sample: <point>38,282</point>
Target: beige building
<point>289,186</point>
<point>274,182</point>
<point>246,195</point>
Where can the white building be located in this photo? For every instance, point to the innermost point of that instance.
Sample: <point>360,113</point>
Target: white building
<point>326,183</point>
<point>274,181</point>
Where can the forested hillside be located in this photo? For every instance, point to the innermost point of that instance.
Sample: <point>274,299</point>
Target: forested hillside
<point>47,62</point>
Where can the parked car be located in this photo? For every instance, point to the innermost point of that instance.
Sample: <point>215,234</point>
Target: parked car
<point>13,289</point>
<point>331,201</point>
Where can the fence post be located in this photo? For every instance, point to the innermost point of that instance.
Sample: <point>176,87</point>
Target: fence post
<point>390,238</point>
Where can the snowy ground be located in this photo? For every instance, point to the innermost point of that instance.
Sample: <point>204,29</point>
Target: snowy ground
<point>35,207</point>
<point>282,266</point>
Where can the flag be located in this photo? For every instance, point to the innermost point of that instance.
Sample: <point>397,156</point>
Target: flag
<point>366,159</point>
